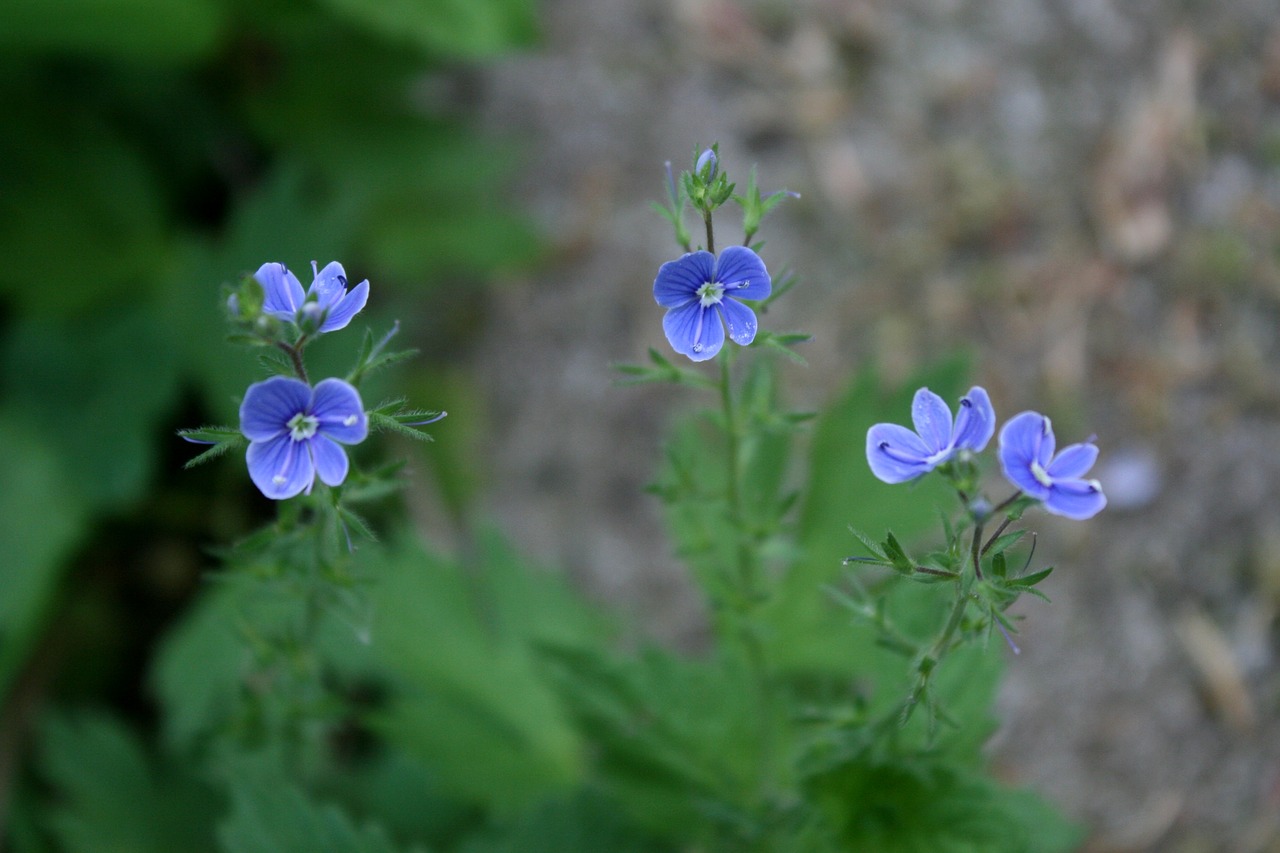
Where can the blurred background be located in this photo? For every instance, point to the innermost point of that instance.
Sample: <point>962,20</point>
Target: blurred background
<point>1080,196</point>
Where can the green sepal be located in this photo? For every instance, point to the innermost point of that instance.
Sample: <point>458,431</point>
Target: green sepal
<point>663,370</point>
<point>222,438</point>
<point>897,557</point>
<point>999,568</point>
<point>754,207</point>
<point>371,357</point>
<point>783,282</point>
<point>782,343</point>
<point>402,421</point>
<point>1028,581</point>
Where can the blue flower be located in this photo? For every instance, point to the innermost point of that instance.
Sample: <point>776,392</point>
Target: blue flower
<point>694,284</point>
<point>1026,455</point>
<point>707,160</point>
<point>896,454</point>
<point>294,431</point>
<point>327,296</point>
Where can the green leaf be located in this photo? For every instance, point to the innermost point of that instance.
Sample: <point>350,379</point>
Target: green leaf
<point>906,804</point>
<point>459,28</point>
<point>41,518</point>
<point>1031,579</point>
<point>152,31</point>
<point>584,823</point>
<point>470,699</point>
<point>94,393</point>
<point>112,796</point>
<point>70,179</point>
<point>672,736</point>
<point>275,817</point>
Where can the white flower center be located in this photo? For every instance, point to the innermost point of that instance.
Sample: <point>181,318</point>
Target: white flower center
<point>710,294</point>
<point>302,426</point>
<point>1041,475</point>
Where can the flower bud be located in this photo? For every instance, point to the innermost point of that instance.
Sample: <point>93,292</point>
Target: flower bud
<point>311,317</point>
<point>980,508</point>
<point>707,166</point>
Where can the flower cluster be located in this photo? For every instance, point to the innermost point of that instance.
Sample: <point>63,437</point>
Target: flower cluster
<point>1026,451</point>
<point>296,431</point>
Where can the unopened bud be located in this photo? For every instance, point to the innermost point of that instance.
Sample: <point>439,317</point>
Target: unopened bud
<point>311,317</point>
<point>707,166</point>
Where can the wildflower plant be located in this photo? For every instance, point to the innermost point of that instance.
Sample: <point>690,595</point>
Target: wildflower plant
<point>829,738</point>
<point>296,437</point>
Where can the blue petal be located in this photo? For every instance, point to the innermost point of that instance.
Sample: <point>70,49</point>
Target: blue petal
<point>896,454</point>
<point>1073,462</point>
<point>329,284</point>
<point>678,281</point>
<point>1078,499</point>
<point>330,460</point>
<point>281,467</point>
<point>347,307</point>
<point>1021,440</point>
<point>694,331</point>
<point>932,419</point>
<point>743,274</point>
<point>338,408</point>
<point>268,406</point>
<point>975,421</point>
<point>282,292</point>
<point>740,319</point>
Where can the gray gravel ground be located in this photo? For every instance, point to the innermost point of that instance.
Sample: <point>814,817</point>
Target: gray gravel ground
<point>1086,193</point>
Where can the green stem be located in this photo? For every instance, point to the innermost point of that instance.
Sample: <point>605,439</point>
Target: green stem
<point>931,659</point>
<point>977,557</point>
<point>746,597</point>
<point>295,355</point>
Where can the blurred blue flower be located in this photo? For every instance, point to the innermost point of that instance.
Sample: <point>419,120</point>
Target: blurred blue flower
<point>294,433</point>
<point>694,284</point>
<point>896,454</point>
<point>327,296</point>
<point>1026,455</point>
<point>707,160</point>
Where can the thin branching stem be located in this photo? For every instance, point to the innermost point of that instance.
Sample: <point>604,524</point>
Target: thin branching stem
<point>295,356</point>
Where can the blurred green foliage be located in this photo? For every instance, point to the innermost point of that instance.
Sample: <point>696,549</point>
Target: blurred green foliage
<point>155,149</point>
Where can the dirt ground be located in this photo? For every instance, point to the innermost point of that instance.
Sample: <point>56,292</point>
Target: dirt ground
<point>1086,194</point>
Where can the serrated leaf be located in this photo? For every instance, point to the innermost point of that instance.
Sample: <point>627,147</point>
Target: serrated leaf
<point>113,796</point>
<point>276,817</point>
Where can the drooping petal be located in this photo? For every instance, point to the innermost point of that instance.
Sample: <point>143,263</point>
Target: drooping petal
<point>1021,440</point>
<point>280,467</point>
<point>1077,499</point>
<point>896,454</point>
<point>678,281</point>
<point>330,460</point>
<point>740,319</point>
<point>975,421</point>
<point>932,419</point>
<point>338,408</point>
<point>269,405</point>
<point>346,307</point>
<point>694,331</point>
<point>282,292</point>
<point>329,284</point>
<point>1073,462</point>
<point>743,274</point>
